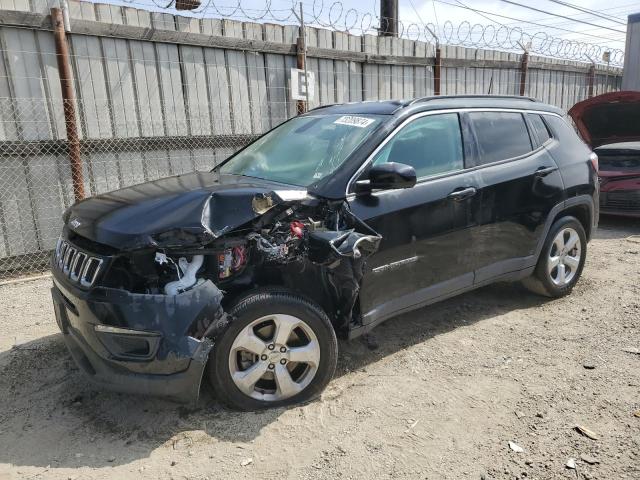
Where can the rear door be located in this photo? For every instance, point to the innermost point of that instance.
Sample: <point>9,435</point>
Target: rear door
<point>519,184</point>
<point>424,253</point>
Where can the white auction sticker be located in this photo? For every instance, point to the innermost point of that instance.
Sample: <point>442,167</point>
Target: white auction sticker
<point>352,121</point>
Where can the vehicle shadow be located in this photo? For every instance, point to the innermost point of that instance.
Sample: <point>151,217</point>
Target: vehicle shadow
<point>45,398</point>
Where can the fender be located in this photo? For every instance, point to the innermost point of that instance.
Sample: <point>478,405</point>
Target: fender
<point>579,200</point>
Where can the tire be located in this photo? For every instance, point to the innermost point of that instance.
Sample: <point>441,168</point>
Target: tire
<point>547,279</point>
<point>252,348</point>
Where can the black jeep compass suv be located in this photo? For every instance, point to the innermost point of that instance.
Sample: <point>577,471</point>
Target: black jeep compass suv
<point>331,223</point>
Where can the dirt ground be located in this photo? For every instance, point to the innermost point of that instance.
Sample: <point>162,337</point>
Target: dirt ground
<point>442,396</point>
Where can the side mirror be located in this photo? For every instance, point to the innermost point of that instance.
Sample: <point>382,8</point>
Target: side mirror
<point>388,176</point>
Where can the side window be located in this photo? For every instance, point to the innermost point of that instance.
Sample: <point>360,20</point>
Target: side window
<point>566,135</point>
<point>539,127</point>
<point>431,145</point>
<point>500,135</point>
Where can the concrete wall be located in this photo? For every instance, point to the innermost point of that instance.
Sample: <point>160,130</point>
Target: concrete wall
<point>631,76</point>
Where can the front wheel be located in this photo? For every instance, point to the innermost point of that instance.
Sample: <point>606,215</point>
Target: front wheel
<point>279,350</point>
<point>561,259</point>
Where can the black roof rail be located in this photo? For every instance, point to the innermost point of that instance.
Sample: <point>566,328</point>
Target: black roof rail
<point>400,103</point>
<point>439,97</point>
<point>323,106</point>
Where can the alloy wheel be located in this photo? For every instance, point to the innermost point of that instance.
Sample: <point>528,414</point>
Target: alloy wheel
<point>564,257</point>
<point>274,357</point>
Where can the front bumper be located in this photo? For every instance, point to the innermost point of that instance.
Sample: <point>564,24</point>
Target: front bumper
<point>137,343</point>
<point>620,202</point>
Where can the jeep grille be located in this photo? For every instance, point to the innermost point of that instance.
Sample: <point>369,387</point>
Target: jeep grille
<point>80,267</point>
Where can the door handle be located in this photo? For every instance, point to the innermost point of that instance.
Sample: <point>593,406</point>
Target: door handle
<point>544,171</point>
<point>463,194</point>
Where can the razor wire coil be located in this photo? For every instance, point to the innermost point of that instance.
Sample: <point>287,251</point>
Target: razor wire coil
<point>333,14</point>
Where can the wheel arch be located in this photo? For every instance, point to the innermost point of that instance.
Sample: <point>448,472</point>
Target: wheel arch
<point>581,207</point>
<point>584,215</point>
<point>309,283</point>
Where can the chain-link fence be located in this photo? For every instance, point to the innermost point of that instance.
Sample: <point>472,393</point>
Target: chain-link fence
<point>150,109</point>
<point>141,115</point>
<point>36,180</point>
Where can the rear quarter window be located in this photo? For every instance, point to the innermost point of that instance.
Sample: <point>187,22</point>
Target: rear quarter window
<point>570,147</point>
<point>500,135</point>
<point>540,130</point>
<point>564,132</point>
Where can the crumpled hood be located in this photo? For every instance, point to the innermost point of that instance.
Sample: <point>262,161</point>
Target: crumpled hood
<point>184,210</point>
<point>608,118</point>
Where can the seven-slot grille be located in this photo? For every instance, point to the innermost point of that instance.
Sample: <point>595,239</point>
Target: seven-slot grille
<point>78,266</point>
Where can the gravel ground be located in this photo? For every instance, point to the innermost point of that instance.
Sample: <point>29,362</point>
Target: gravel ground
<point>442,396</point>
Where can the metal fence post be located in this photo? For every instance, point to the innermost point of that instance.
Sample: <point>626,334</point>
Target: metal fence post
<point>591,75</point>
<point>301,59</point>
<point>301,105</point>
<point>436,72</point>
<point>524,67</point>
<point>68,102</point>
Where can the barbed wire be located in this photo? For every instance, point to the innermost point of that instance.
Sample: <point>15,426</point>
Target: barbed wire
<point>539,43</point>
<point>333,14</point>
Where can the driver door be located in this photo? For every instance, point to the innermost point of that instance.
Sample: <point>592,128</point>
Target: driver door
<point>426,230</point>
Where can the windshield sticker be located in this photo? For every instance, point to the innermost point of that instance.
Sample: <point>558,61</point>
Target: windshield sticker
<point>352,121</point>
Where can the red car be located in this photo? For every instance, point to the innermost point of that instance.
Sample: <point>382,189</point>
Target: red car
<point>610,124</point>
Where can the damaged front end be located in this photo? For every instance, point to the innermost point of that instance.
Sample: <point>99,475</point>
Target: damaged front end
<point>139,343</point>
<point>141,303</point>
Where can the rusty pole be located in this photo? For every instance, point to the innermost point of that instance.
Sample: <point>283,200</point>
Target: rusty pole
<point>591,75</point>
<point>436,72</point>
<point>301,105</point>
<point>524,66</point>
<point>301,48</point>
<point>68,102</point>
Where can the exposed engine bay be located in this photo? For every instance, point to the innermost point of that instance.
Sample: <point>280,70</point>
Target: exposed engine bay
<point>312,246</point>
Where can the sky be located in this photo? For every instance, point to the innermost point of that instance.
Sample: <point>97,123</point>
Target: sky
<point>615,11</point>
<point>548,25</point>
<point>453,21</point>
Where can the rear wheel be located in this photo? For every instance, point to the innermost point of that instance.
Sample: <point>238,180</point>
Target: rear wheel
<point>279,350</point>
<point>561,260</point>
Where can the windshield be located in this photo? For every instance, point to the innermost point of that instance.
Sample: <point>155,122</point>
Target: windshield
<point>304,149</point>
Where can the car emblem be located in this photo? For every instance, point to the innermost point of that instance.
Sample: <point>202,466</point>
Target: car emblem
<point>75,223</point>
